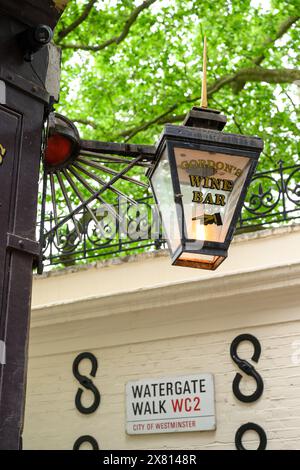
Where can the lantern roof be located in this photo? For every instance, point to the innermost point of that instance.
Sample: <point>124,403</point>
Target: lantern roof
<point>205,118</point>
<point>246,145</point>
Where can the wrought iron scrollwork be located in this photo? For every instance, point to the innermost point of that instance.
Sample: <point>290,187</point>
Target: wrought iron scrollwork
<point>85,200</point>
<point>273,198</point>
<point>266,195</point>
<point>292,187</point>
<point>86,205</point>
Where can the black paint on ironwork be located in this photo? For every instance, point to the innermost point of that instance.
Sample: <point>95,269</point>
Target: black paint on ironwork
<point>115,148</point>
<point>269,195</point>
<point>78,234</point>
<point>87,383</point>
<point>250,427</point>
<point>75,190</point>
<point>273,198</point>
<point>247,368</point>
<point>64,247</point>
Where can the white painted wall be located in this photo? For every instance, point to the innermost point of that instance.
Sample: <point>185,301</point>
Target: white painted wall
<point>144,318</point>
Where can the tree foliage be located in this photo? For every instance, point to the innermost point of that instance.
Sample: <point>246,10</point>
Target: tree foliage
<point>129,66</point>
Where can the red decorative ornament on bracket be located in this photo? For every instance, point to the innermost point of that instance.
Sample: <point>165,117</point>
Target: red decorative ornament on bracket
<point>58,150</point>
<point>62,144</point>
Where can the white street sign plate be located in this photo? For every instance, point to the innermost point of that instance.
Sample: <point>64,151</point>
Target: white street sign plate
<point>171,404</point>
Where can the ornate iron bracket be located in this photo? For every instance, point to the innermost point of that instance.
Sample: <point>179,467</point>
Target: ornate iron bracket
<point>91,176</point>
<point>114,148</point>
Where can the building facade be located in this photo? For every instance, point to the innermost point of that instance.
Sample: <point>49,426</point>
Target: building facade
<point>142,319</point>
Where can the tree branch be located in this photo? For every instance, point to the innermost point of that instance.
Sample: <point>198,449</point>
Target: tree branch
<point>116,39</point>
<point>135,130</point>
<point>129,133</point>
<point>85,122</point>
<point>238,81</point>
<point>64,32</point>
<point>166,117</point>
<point>283,28</point>
<point>296,108</point>
<point>259,74</point>
<point>249,74</point>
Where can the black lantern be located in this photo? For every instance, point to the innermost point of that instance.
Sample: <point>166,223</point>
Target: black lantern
<point>199,181</point>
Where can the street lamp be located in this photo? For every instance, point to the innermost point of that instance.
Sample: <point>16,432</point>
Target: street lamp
<point>199,181</point>
<point>199,177</point>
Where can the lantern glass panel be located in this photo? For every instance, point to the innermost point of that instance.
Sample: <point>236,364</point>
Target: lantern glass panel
<point>163,189</point>
<point>210,184</point>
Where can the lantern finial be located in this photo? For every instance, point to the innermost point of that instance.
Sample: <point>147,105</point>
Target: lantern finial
<point>204,77</point>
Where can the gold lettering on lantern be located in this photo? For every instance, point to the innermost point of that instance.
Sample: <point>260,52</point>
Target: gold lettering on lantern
<point>2,153</point>
<point>195,180</point>
<point>220,200</point>
<point>211,183</point>
<point>222,166</point>
<point>227,185</point>
<point>216,183</point>
<point>197,196</point>
<point>209,198</point>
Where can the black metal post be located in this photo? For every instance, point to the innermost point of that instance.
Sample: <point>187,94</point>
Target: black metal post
<point>23,100</point>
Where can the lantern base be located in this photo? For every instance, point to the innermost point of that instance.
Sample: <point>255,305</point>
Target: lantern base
<point>199,260</point>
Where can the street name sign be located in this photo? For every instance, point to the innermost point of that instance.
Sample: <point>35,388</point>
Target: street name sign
<point>171,404</point>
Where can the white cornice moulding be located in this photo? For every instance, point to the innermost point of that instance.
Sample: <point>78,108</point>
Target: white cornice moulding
<point>220,286</point>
